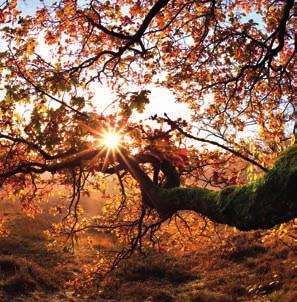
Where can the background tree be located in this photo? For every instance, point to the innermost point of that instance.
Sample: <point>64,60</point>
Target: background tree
<point>230,62</point>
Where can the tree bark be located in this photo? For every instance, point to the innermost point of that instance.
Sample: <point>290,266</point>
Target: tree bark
<point>269,201</point>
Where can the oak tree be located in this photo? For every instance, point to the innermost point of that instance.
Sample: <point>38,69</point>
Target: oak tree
<point>230,62</point>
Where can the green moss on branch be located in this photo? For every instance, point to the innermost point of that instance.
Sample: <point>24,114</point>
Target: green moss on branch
<point>262,204</point>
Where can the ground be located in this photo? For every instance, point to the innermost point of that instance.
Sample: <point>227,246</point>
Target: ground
<point>244,268</point>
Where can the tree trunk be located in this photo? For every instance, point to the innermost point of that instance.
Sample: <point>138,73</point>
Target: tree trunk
<point>269,201</point>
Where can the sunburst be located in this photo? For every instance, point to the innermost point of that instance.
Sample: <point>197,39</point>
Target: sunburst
<point>111,139</point>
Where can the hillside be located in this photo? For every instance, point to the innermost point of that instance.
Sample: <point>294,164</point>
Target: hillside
<point>244,268</point>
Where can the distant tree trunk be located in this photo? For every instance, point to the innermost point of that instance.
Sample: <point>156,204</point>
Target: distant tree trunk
<point>260,205</point>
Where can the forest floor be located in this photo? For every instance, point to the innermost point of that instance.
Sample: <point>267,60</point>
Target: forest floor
<point>249,271</point>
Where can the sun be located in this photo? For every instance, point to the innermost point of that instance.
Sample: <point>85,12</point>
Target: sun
<point>111,139</point>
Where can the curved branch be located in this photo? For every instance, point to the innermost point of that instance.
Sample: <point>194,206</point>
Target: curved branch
<point>262,204</point>
<point>103,28</point>
<point>72,161</point>
<point>136,38</point>
<point>280,32</point>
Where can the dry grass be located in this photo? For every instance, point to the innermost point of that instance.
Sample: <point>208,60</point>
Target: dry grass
<point>208,296</point>
<point>20,276</point>
<point>244,269</point>
<point>156,267</point>
<point>26,265</point>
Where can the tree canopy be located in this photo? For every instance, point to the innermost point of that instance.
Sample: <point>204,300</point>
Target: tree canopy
<point>229,62</point>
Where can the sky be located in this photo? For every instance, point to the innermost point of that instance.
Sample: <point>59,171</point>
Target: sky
<point>161,99</point>
<point>28,7</point>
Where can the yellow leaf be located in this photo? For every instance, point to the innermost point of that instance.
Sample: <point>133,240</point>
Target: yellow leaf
<point>30,47</point>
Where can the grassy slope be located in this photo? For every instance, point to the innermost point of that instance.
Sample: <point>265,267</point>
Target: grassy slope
<point>249,271</point>
<point>244,270</point>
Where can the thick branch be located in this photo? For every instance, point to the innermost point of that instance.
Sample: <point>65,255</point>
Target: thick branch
<point>72,161</point>
<point>260,205</point>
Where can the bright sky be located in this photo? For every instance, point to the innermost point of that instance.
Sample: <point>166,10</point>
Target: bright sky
<point>28,7</point>
<point>161,99</point>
